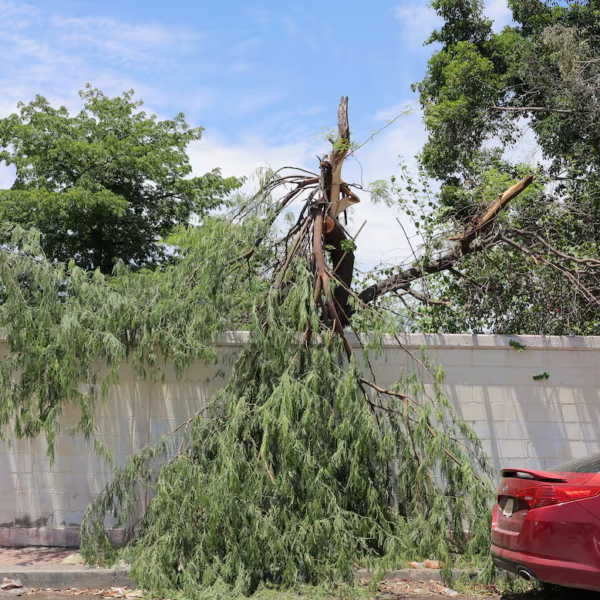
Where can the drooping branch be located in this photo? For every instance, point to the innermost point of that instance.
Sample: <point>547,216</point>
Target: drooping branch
<point>302,184</point>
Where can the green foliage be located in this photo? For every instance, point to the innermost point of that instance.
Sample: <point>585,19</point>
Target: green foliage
<point>297,473</point>
<point>105,185</point>
<point>482,92</point>
<point>525,288</point>
<point>518,347</point>
<point>348,245</point>
<point>68,330</point>
<point>463,22</point>
<point>526,283</point>
<point>541,377</point>
<point>299,469</point>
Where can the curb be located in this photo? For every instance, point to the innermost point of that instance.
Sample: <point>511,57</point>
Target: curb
<point>417,574</point>
<point>61,577</point>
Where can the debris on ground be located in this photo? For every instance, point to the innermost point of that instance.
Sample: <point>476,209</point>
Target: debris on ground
<point>401,588</point>
<point>12,587</point>
<point>428,564</point>
<point>114,592</point>
<point>73,559</point>
<point>433,564</point>
<point>10,584</point>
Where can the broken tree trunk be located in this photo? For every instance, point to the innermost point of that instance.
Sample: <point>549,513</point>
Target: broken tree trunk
<point>333,233</point>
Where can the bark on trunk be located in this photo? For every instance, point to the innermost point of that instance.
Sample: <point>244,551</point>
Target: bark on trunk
<point>345,270</point>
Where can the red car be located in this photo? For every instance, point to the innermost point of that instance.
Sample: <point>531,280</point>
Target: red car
<point>546,525</point>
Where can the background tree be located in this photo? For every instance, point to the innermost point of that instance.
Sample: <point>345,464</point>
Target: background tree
<point>107,184</point>
<point>485,93</point>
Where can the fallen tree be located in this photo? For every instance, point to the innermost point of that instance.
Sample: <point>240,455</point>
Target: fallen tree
<point>307,467</point>
<point>303,466</point>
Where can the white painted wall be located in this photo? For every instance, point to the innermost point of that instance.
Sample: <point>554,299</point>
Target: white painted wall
<point>520,421</point>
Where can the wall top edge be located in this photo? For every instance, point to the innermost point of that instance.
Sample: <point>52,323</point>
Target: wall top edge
<point>450,341</point>
<point>444,341</point>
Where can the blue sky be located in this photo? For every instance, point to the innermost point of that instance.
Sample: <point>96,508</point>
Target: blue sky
<point>263,77</point>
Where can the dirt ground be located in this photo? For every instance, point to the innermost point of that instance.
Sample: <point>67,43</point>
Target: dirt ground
<point>413,590</point>
<point>392,590</point>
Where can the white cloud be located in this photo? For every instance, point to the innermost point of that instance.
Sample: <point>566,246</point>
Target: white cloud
<point>499,12</point>
<point>57,56</point>
<point>15,14</point>
<point>248,154</point>
<point>417,20</point>
<point>140,44</point>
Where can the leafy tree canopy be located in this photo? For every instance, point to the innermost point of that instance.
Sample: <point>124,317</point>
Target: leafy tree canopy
<point>106,184</point>
<point>482,85</point>
<point>302,466</point>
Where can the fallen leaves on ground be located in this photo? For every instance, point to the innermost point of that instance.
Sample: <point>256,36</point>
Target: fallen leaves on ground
<point>115,592</point>
<point>405,588</point>
<point>12,587</point>
<point>73,559</point>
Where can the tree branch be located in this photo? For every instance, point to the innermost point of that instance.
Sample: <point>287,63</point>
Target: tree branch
<point>584,291</point>
<point>462,248</point>
<point>581,261</point>
<point>540,109</point>
<point>398,282</point>
<point>495,209</point>
<point>323,280</point>
<point>336,159</point>
<point>426,299</point>
<point>382,391</point>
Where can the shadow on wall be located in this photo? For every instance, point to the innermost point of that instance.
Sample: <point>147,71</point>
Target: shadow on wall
<point>524,422</point>
<point>521,421</point>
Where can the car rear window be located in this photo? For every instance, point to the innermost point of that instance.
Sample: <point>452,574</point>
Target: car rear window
<point>587,464</point>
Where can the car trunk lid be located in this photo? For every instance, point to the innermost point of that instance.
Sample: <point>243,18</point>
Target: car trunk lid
<point>522,490</point>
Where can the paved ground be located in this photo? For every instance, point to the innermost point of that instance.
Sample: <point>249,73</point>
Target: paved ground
<point>427,594</point>
<point>25,557</point>
<point>572,595</point>
<point>49,559</point>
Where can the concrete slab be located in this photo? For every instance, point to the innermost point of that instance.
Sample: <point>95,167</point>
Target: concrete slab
<point>61,577</point>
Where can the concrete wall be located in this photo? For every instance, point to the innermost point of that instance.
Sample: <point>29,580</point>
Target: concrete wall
<point>521,421</point>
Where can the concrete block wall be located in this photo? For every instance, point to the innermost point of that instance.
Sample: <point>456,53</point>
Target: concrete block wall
<point>521,421</point>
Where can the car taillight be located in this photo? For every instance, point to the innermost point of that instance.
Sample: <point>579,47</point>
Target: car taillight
<point>548,494</point>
